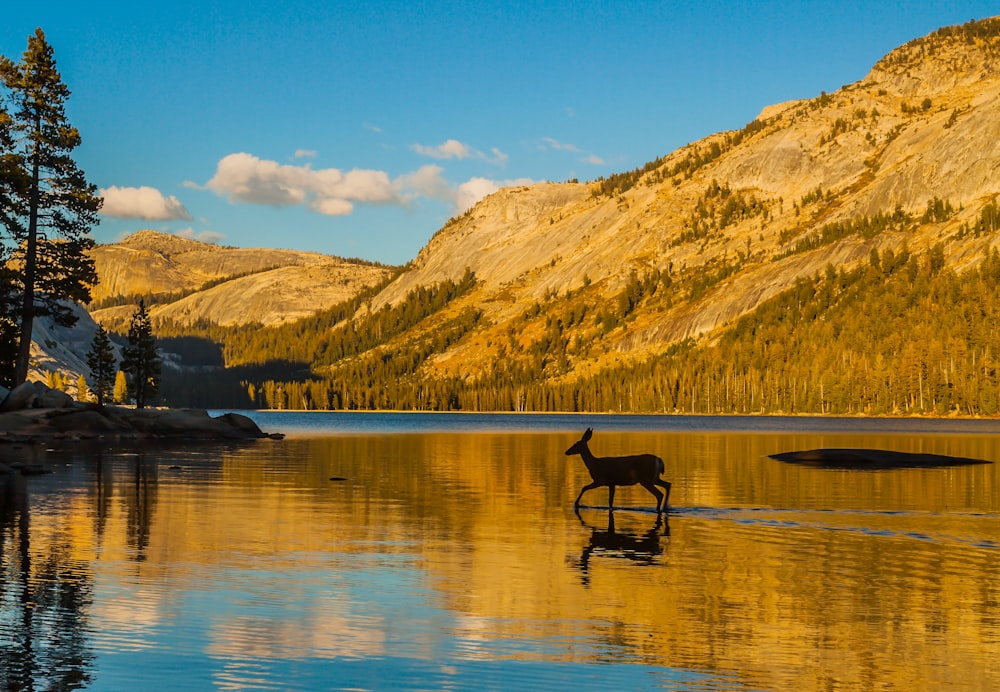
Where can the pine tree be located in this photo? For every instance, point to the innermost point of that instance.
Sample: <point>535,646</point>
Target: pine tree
<point>48,206</point>
<point>10,209</point>
<point>101,361</point>
<point>9,331</point>
<point>140,361</point>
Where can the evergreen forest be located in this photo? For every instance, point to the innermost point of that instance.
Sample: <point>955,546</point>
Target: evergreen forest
<point>902,334</point>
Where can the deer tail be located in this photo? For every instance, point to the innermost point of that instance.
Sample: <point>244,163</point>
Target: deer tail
<point>659,466</point>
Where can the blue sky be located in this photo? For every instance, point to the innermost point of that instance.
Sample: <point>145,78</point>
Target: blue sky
<point>358,129</point>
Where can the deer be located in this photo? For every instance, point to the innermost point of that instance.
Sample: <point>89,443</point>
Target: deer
<point>644,469</point>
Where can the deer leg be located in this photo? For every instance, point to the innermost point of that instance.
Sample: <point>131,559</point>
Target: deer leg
<point>666,486</point>
<point>611,497</point>
<point>591,486</point>
<point>656,493</point>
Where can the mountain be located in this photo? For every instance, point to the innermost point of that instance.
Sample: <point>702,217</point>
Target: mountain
<point>923,124</point>
<point>922,128</point>
<point>185,280</point>
<point>835,254</point>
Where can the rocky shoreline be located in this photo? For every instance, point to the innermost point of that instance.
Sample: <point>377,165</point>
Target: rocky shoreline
<point>33,414</point>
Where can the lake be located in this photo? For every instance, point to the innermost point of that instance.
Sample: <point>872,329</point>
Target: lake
<point>450,558</point>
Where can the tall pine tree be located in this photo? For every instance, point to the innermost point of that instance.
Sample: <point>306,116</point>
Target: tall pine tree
<point>140,361</point>
<point>11,209</point>
<point>49,207</point>
<point>101,361</point>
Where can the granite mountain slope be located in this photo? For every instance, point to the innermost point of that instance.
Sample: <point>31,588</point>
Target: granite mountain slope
<point>922,128</point>
<point>906,157</point>
<point>228,286</point>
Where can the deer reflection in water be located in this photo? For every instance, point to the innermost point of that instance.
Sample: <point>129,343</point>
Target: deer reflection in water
<point>644,469</point>
<point>642,548</point>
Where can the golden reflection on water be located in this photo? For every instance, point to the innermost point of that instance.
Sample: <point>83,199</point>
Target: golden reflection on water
<point>464,547</point>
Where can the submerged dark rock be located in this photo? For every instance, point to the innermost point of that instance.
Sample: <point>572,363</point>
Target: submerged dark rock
<point>871,459</point>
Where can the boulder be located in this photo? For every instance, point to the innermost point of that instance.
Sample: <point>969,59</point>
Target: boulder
<point>192,423</point>
<point>20,397</point>
<point>53,398</point>
<point>241,422</point>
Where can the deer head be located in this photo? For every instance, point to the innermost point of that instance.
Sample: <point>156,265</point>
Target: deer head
<point>580,444</point>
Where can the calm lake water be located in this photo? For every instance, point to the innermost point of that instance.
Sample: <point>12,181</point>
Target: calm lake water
<point>451,558</point>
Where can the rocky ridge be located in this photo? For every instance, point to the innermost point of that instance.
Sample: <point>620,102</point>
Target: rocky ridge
<point>221,284</point>
<point>923,124</point>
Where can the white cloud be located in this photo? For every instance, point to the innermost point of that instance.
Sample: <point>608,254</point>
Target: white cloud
<point>556,145</point>
<point>426,181</point>
<point>141,203</point>
<point>245,178</point>
<point>473,190</point>
<point>203,236</point>
<point>451,149</point>
<point>549,143</point>
<point>305,153</point>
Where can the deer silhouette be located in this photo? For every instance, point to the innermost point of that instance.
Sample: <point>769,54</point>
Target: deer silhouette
<point>644,469</point>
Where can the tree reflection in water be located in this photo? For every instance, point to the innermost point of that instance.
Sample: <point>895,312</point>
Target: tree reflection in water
<point>141,504</point>
<point>44,598</point>
<point>642,548</point>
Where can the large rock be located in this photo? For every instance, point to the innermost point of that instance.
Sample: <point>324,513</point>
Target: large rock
<point>52,398</point>
<point>20,397</point>
<point>192,423</point>
<point>34,395</point>
<point>240,422</point>
<point>91,421</point>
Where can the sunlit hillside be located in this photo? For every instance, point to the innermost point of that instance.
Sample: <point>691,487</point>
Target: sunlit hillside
<point>824,222</point>
<point>186,280</point>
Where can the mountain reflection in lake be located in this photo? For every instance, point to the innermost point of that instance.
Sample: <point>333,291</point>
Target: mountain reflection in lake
<point>451,558</point>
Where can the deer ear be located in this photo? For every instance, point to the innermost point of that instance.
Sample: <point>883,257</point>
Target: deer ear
<point>587,435</point>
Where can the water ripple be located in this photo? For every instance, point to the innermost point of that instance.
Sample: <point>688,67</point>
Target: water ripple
<point>752,516</point>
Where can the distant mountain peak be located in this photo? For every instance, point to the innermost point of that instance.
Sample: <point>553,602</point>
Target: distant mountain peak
<point>163,243</point>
